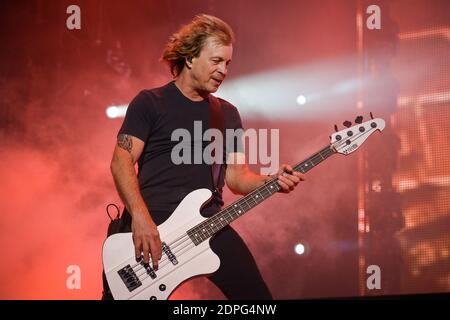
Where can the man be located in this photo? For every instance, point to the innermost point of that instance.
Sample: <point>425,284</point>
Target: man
<point>198,56</point>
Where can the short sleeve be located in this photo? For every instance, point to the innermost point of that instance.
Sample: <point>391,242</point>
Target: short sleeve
<point>234,128</point>
<point>234,118</point>
<point>139,117</point>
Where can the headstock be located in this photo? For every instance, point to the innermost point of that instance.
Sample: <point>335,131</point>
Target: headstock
<point>348,140</point>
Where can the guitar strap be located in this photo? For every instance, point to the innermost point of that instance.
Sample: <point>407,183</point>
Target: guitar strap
<point>216,121</point>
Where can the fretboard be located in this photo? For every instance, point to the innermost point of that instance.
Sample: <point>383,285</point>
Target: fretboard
<point>210,226</point>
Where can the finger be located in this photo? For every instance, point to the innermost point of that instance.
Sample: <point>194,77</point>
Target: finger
<point>293,178</point>
<point>145,249</point>
<point>138,250</point>
<point>286,180</point>
<point>159,250</point>
<point>157,245</point>
<point>283,168</point>
<point>284,186</point>
<point>155,256</point>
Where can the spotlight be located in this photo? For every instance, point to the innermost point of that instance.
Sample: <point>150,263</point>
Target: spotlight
<point>301,100</point>
<point>299,249</point>
<point>113,112</point>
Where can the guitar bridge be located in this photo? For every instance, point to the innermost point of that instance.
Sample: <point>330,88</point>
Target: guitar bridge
<point>170,255</point>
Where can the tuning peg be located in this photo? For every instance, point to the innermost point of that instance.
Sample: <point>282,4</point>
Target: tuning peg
<point>336,128</point>
<point>359,119</point>
<point>347,124</point>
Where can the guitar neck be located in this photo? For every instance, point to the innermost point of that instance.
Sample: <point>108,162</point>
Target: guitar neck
<point>212,225</point>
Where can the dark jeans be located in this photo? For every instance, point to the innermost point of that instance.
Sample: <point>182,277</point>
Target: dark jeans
<point>238,276</point>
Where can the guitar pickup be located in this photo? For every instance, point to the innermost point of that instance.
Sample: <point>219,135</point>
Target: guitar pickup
<point>149,270</point>
<point>129,278</point>
<point>169,254</point>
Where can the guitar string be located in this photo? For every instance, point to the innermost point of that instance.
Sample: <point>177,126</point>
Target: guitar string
<point>186,237</point>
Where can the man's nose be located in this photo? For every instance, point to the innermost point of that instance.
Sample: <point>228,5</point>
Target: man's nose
<point>223,69</point>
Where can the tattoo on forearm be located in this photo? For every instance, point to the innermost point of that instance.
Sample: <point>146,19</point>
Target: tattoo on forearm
<point>124,141</point>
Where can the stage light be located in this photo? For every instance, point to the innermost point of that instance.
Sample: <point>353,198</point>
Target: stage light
<point>301,99</point>
<point>327,85</point>
<point>113,112</point>
<point>299,249</point>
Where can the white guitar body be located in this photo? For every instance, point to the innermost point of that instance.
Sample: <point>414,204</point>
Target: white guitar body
<point>118,252</point>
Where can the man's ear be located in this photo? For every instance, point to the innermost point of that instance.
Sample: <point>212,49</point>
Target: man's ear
<point>189,62</point>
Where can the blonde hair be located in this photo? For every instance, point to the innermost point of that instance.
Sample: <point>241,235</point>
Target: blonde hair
<point>191,38</point>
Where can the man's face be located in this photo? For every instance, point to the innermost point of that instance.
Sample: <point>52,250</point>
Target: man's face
<point>209,69</point>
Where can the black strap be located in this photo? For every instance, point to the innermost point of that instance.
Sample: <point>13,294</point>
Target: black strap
<point>216,121</point>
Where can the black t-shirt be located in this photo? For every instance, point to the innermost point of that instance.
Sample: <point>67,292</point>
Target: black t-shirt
<point>152,116</point>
